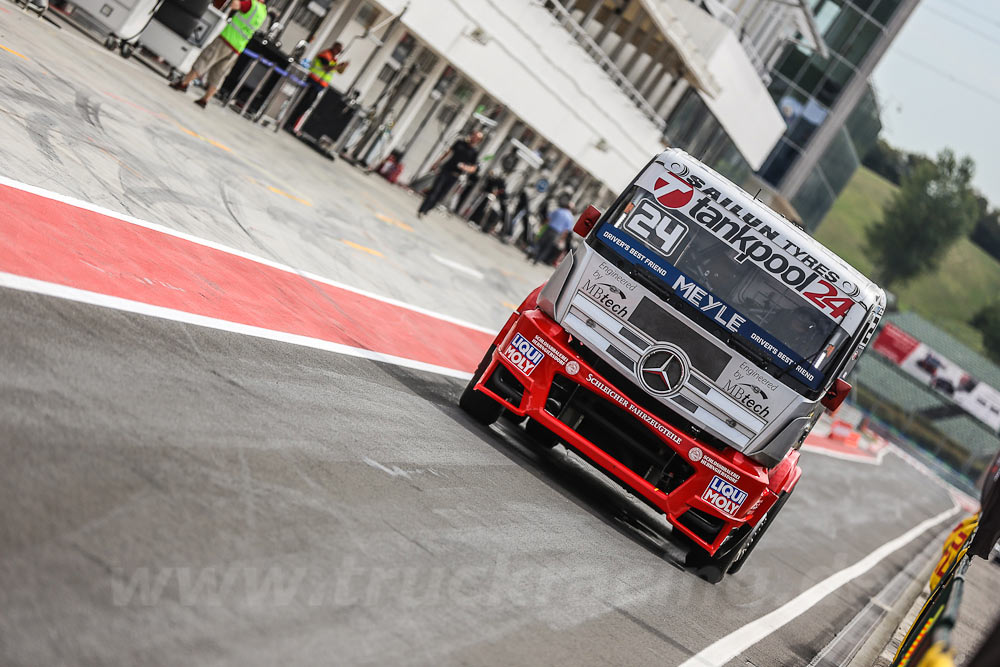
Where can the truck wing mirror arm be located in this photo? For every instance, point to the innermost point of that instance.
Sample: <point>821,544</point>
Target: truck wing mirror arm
<point>585,223</point>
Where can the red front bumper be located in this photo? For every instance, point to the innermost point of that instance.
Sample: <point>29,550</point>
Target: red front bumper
<point>542,352</point>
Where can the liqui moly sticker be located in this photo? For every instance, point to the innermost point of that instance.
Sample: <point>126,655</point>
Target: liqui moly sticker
<point>523,354</point>
<point>724,496</point>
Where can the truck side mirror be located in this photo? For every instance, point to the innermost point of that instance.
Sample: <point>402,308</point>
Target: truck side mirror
<point>585,223</point>
<point>836,395</point>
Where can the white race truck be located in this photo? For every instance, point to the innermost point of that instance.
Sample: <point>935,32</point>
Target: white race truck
<point>685,349</point>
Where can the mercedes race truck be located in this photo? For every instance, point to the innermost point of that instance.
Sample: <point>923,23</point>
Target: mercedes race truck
<point>685,349</point>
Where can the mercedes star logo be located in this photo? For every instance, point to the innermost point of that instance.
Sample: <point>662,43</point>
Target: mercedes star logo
<point>663,369</point>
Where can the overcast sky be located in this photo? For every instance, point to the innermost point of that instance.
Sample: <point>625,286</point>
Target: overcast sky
<point>939,85</point>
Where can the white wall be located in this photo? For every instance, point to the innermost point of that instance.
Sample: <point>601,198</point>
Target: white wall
<point>533,66</point>
<point>742,105</point>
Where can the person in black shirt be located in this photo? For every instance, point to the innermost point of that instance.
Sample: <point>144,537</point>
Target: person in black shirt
<point>461,158</point>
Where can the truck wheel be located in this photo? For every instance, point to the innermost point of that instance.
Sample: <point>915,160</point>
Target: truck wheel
<point>758,532</point>
<point>541,435</point>
<point>512,418</point>
<point>713,568</point>
<point>478,405</point>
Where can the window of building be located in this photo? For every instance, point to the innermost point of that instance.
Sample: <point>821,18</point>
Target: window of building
<point>842,31</point>
<point>867,34</point>
<point>367,15</point>
<point>884,11</point>
<point>781,159</point>
<point>404,48</point>
<point>824,13</point>
<point>684,121</point>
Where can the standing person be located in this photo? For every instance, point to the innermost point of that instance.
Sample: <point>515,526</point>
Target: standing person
<point>496,187</point>
<point>461,158</point>
<point>521,212</point>
<point>321,72</point>
<point>218,58</point>
<point>559,223</point>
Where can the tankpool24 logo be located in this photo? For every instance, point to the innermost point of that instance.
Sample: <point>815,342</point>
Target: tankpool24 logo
<point>523,354</point>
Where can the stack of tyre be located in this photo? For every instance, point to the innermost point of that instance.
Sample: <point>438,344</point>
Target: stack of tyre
<point>181,16</point>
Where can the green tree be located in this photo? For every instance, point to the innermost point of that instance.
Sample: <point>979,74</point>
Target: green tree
<point>987,320</point>
<point>886,161</point>
<point>935,206</point>
<point>986,233</point>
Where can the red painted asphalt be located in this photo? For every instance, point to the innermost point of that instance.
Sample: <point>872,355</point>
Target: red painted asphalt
<point>839,447</point>
<point>57,242</point>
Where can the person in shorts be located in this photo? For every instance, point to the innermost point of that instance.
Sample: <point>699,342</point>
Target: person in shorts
<point>215,61</point>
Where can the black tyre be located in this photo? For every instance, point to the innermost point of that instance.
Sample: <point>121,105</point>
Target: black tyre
<point>714,568</point>
<point>511,418</point>
<point>477,405</point>
<point>541,435</point>
<point>176,19</point>
<point>757,533</point>
<point>126,50</point>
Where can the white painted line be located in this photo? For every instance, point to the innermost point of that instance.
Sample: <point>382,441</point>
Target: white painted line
<point>103,300</point>
<point>735,643</point>
<point>458,267</point>
<point>844,456</point>
<point>94,208</point>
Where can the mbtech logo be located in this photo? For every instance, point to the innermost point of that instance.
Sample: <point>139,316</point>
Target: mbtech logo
<point>609,296</point>
<point>750,396</point>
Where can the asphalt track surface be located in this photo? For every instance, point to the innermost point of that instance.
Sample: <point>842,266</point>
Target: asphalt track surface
<point>186,493</point>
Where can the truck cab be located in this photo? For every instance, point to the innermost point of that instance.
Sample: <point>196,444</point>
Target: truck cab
<point>686,348</point>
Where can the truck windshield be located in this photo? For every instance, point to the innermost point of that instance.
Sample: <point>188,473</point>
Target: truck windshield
<point>783,315</point>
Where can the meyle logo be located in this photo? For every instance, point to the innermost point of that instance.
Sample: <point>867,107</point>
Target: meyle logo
<point>608,295</point>
<point>523,354</point>
<point>706,303</point>
<point>724,496</point>
<point>750,396</point>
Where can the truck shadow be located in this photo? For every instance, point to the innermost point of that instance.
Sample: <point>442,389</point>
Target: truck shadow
<point>566,473</point>
<point>578,481</point>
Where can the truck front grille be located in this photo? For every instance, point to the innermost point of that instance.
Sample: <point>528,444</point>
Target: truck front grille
<point>647,402</point>
<point>619,433</point>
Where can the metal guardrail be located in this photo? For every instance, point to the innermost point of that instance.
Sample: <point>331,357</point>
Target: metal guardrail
<point>285,74</point>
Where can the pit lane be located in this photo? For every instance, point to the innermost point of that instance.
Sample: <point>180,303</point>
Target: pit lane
<point>140,451</point>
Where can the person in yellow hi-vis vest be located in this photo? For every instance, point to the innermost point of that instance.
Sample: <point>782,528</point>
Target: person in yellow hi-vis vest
<point>218,58</point>
<point>321,71</point>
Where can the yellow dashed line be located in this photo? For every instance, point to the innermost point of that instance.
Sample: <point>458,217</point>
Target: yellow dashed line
<point>14,52</point>
<point>285,194</point>
<point>218,145</point>
<point>392,221</point>
<point>205,139</point>
<point>508,304</point>
<point>358,246</point>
